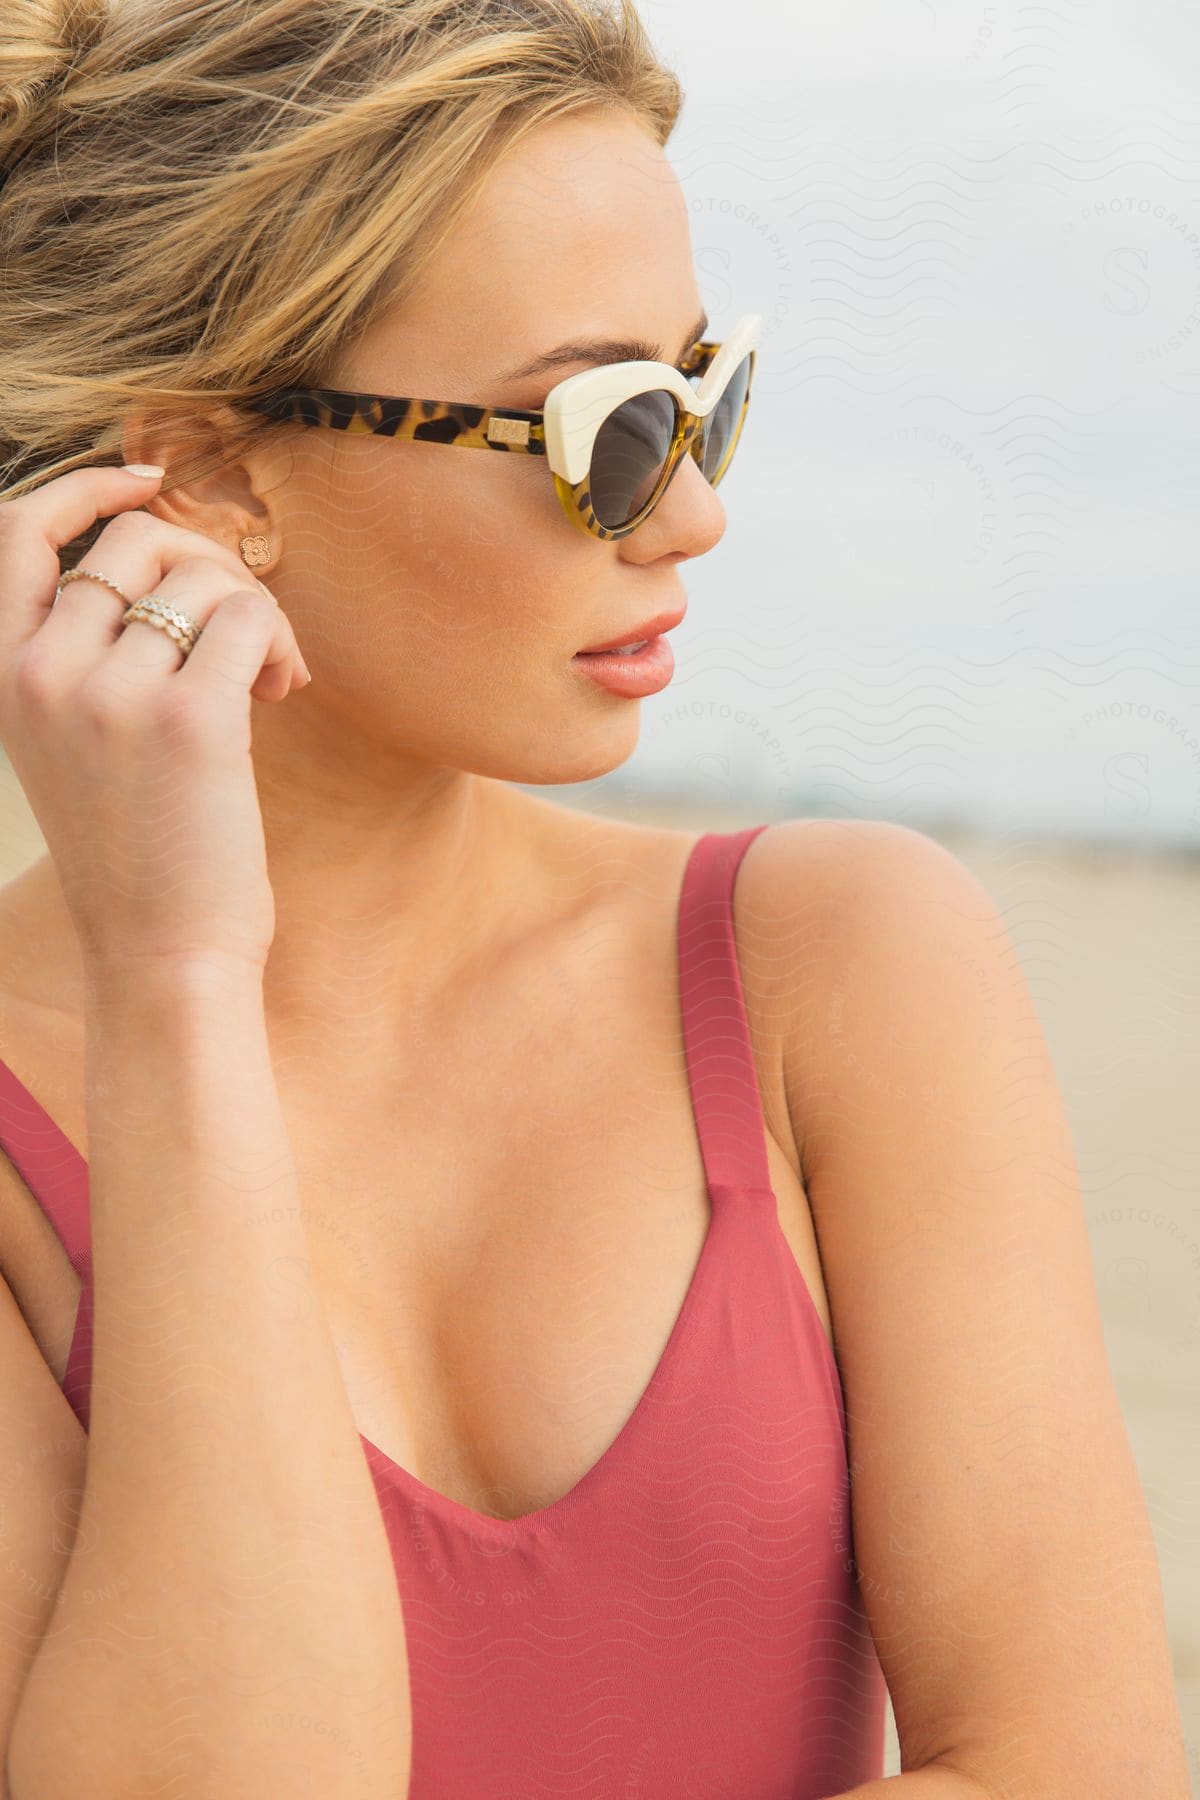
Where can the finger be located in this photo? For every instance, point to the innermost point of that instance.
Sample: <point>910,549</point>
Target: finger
<point>282,661</point>
<point>238,645</point>
<point>34,528</point>
<point>137,552</point>
<point>195,587</point>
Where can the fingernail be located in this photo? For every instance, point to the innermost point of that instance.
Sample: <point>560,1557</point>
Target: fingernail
<point>150,470</point>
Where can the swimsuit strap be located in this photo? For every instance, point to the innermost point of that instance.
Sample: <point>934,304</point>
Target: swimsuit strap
<point>49,1165</point>
<point>720,1058</point>
<point>722,1080</point>
<point>57,1177</point>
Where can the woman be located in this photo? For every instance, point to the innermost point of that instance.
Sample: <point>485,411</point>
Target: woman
<point>420,1370</point>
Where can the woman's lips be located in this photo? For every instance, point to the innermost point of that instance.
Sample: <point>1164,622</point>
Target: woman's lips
<point>646,671</point>
<point>648,629</point>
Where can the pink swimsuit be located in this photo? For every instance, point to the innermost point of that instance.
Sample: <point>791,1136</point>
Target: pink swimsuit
<point>683,1624</point>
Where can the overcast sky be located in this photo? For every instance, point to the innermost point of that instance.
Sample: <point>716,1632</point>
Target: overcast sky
<point>959,578</point>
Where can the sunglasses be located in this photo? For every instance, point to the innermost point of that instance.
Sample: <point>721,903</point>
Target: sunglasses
<point>612,436</point>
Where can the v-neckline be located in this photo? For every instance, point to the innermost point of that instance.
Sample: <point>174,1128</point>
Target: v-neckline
<point>393,1473</point>
<point>459,1513</point>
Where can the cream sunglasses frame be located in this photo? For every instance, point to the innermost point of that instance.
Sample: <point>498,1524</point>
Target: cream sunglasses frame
<point>564,431</point>
<point>576,408</point>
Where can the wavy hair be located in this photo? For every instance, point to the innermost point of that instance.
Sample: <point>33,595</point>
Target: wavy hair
<point>202,199</point>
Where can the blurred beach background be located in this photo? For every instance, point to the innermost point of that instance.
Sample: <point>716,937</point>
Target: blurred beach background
<point>958,584</point>
<point>957,587</point>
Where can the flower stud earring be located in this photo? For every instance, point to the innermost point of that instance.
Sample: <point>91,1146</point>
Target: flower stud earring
<point>256,551</point>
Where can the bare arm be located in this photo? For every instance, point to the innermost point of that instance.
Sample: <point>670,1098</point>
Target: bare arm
<point>1001,1537</point>
<point>229,1621</point>
<point>934,1782</point>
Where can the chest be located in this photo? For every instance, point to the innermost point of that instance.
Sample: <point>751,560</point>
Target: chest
<point>503,1218</point>
<point>503,1264</point>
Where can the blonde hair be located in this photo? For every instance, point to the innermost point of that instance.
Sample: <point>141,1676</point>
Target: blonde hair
<point>202,199</point>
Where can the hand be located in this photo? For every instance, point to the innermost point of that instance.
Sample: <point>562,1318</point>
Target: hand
<point>136,762</point>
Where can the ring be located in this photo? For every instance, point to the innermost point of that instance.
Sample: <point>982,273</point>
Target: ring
<point>149,610</point>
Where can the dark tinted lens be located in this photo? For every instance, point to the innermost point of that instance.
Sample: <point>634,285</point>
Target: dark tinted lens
<point>630,450</point>
<point>723,420</point>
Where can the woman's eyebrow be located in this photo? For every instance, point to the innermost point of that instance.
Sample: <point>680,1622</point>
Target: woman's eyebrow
<point>605,350</point>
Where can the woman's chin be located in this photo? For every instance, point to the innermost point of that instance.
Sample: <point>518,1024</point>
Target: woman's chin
<point>592,753</point>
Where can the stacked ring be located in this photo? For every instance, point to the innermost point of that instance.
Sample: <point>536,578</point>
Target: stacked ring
<point>149,610</point>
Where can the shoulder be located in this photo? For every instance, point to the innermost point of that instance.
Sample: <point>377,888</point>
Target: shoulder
<point>859,885</point>
<point>844,921</point>
<point>899,1006</point>
<point>835,863</point>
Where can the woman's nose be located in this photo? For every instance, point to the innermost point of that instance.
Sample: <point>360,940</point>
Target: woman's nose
<point>688,521</point>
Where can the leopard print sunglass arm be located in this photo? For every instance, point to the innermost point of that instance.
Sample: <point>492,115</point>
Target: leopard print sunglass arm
<point>567,427</point>
<point>455,422</point>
